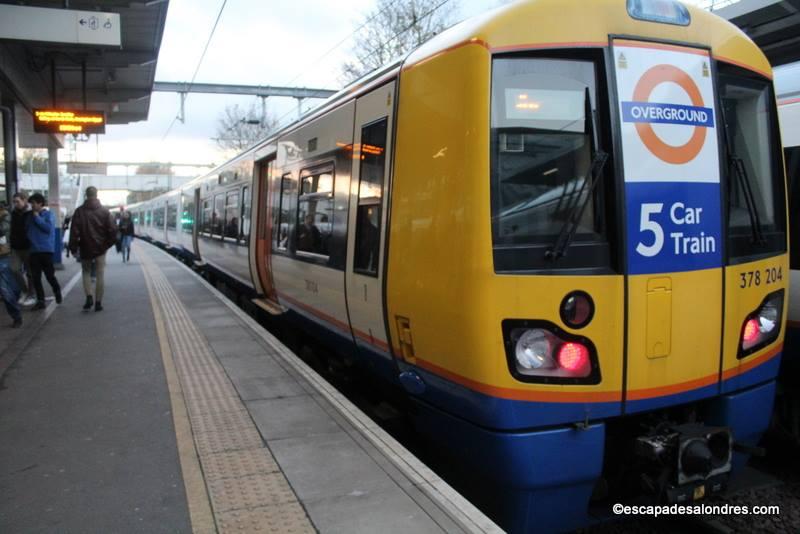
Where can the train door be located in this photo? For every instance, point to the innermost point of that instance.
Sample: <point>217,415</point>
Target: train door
<point>668,124</point>
<point>195,222</point>
<point>367,222</point>
<point>260,255</point>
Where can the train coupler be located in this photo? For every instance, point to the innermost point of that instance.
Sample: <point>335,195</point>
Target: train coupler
<point>685,463</point>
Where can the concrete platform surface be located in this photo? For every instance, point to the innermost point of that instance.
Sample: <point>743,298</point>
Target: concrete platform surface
<point>173,411</point>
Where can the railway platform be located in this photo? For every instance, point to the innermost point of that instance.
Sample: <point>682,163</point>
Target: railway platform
<point>174,411</point>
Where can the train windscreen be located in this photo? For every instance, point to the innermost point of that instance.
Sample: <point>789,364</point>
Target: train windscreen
<point>756,194</point>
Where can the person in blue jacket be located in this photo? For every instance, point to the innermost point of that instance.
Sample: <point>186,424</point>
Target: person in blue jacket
<point>40,229</point>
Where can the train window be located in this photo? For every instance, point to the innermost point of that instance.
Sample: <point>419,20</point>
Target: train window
<point>792,157</point>
<point>546,136</point>
<point>756,201</point>
<point>246,214</point>
<point>285,226</point>
<point>207,217</point>
<point>315,211</point>
<point>370,192</point>
<point>187,214</point>
<point>218,216</point>
<point>172,216</point>
<point>148,218</point>
<point>232,215</point>
<point>158,218</point>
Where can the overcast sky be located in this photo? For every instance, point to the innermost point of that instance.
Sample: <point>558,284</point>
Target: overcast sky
<point>256,43</point>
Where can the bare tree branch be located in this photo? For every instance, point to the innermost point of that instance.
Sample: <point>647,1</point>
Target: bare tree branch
<point>239,128</point>
<point>395,28</point>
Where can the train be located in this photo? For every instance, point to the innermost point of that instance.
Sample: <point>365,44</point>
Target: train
<point>559,228</point>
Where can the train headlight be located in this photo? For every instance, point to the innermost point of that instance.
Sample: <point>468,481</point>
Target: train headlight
<point>762,327</point>
<point>534,350</point>
<point>538,351</point>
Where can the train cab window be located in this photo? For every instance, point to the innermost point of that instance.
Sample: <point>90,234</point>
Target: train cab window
<point>207,217</point>
<point>548,137</point>
<point>187,215</point>
<point>756,201</point>
<point>172,216</point>
<point>218,216</point>
<point>246,214</point>
<point>792,158</point>
<point>370,192</point>
<point>315,211</point>
<point>232,215</point>
<point>285,210</point>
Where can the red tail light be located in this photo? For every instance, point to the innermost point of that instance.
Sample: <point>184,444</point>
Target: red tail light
<point>574,358</point>
<point>750,334</point>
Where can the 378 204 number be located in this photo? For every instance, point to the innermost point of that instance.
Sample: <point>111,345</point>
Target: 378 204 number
<point>771,275</point>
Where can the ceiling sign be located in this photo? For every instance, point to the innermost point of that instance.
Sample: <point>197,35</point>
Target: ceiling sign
<point>68,121</point>
<point>70,26</point>
<point>87,167</point>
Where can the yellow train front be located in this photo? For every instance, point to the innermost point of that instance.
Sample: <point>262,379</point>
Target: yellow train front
<point>587,252</point>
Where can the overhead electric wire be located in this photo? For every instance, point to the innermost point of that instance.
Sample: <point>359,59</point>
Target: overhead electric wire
<point>199,62</point>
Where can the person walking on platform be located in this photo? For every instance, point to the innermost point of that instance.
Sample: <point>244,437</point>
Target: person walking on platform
<point>126,230</point>
<point>92,233</point>
<point>9,291</point>
<point>21,248</point>
<point>41,232</point>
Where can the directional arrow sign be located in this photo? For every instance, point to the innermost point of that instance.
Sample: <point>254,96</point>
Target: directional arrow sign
<point>69,26</point>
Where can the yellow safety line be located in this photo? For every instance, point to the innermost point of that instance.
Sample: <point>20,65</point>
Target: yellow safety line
<point>196,494</point>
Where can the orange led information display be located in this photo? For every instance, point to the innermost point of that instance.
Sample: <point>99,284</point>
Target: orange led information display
<point>68,121</point>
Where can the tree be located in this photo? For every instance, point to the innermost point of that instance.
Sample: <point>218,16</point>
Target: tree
<point>239,128</point>
<point>394,28</point>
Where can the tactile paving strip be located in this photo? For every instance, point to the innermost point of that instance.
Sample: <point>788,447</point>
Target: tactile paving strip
<point>286,518</point>
<point>248,492</point>
<point>238,463</point>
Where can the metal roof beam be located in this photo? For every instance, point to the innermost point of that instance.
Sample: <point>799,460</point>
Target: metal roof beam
<point>100,95</point>
<point>252,90</point>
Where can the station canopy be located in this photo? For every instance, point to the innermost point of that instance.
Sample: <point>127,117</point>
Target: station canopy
<point>37,73</point>
<point>773,24</point>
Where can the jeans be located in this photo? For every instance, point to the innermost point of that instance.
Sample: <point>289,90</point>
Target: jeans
<point>21,269</point>
<point>97,264</point>
<point>42,262</point>
<point>9,291</point>
<point>126,247</point>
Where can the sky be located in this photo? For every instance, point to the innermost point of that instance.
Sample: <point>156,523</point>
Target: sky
<point>255,43</point>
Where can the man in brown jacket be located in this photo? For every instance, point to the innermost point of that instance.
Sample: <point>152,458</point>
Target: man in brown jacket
<point>92,233</point>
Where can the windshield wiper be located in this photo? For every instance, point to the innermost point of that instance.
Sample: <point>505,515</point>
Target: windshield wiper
<point>574,206</point>
<point>736,164</point>
<point>578,207</point>
<point>740,171</point>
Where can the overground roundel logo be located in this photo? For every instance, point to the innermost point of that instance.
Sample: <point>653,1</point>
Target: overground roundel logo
<point>645,113</point>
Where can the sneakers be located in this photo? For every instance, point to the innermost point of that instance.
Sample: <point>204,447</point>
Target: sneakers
<point>17,323</point>
<point>88,305</point>
<point>40,305</point>
<point>97,306</point>
<point>26,301</point>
